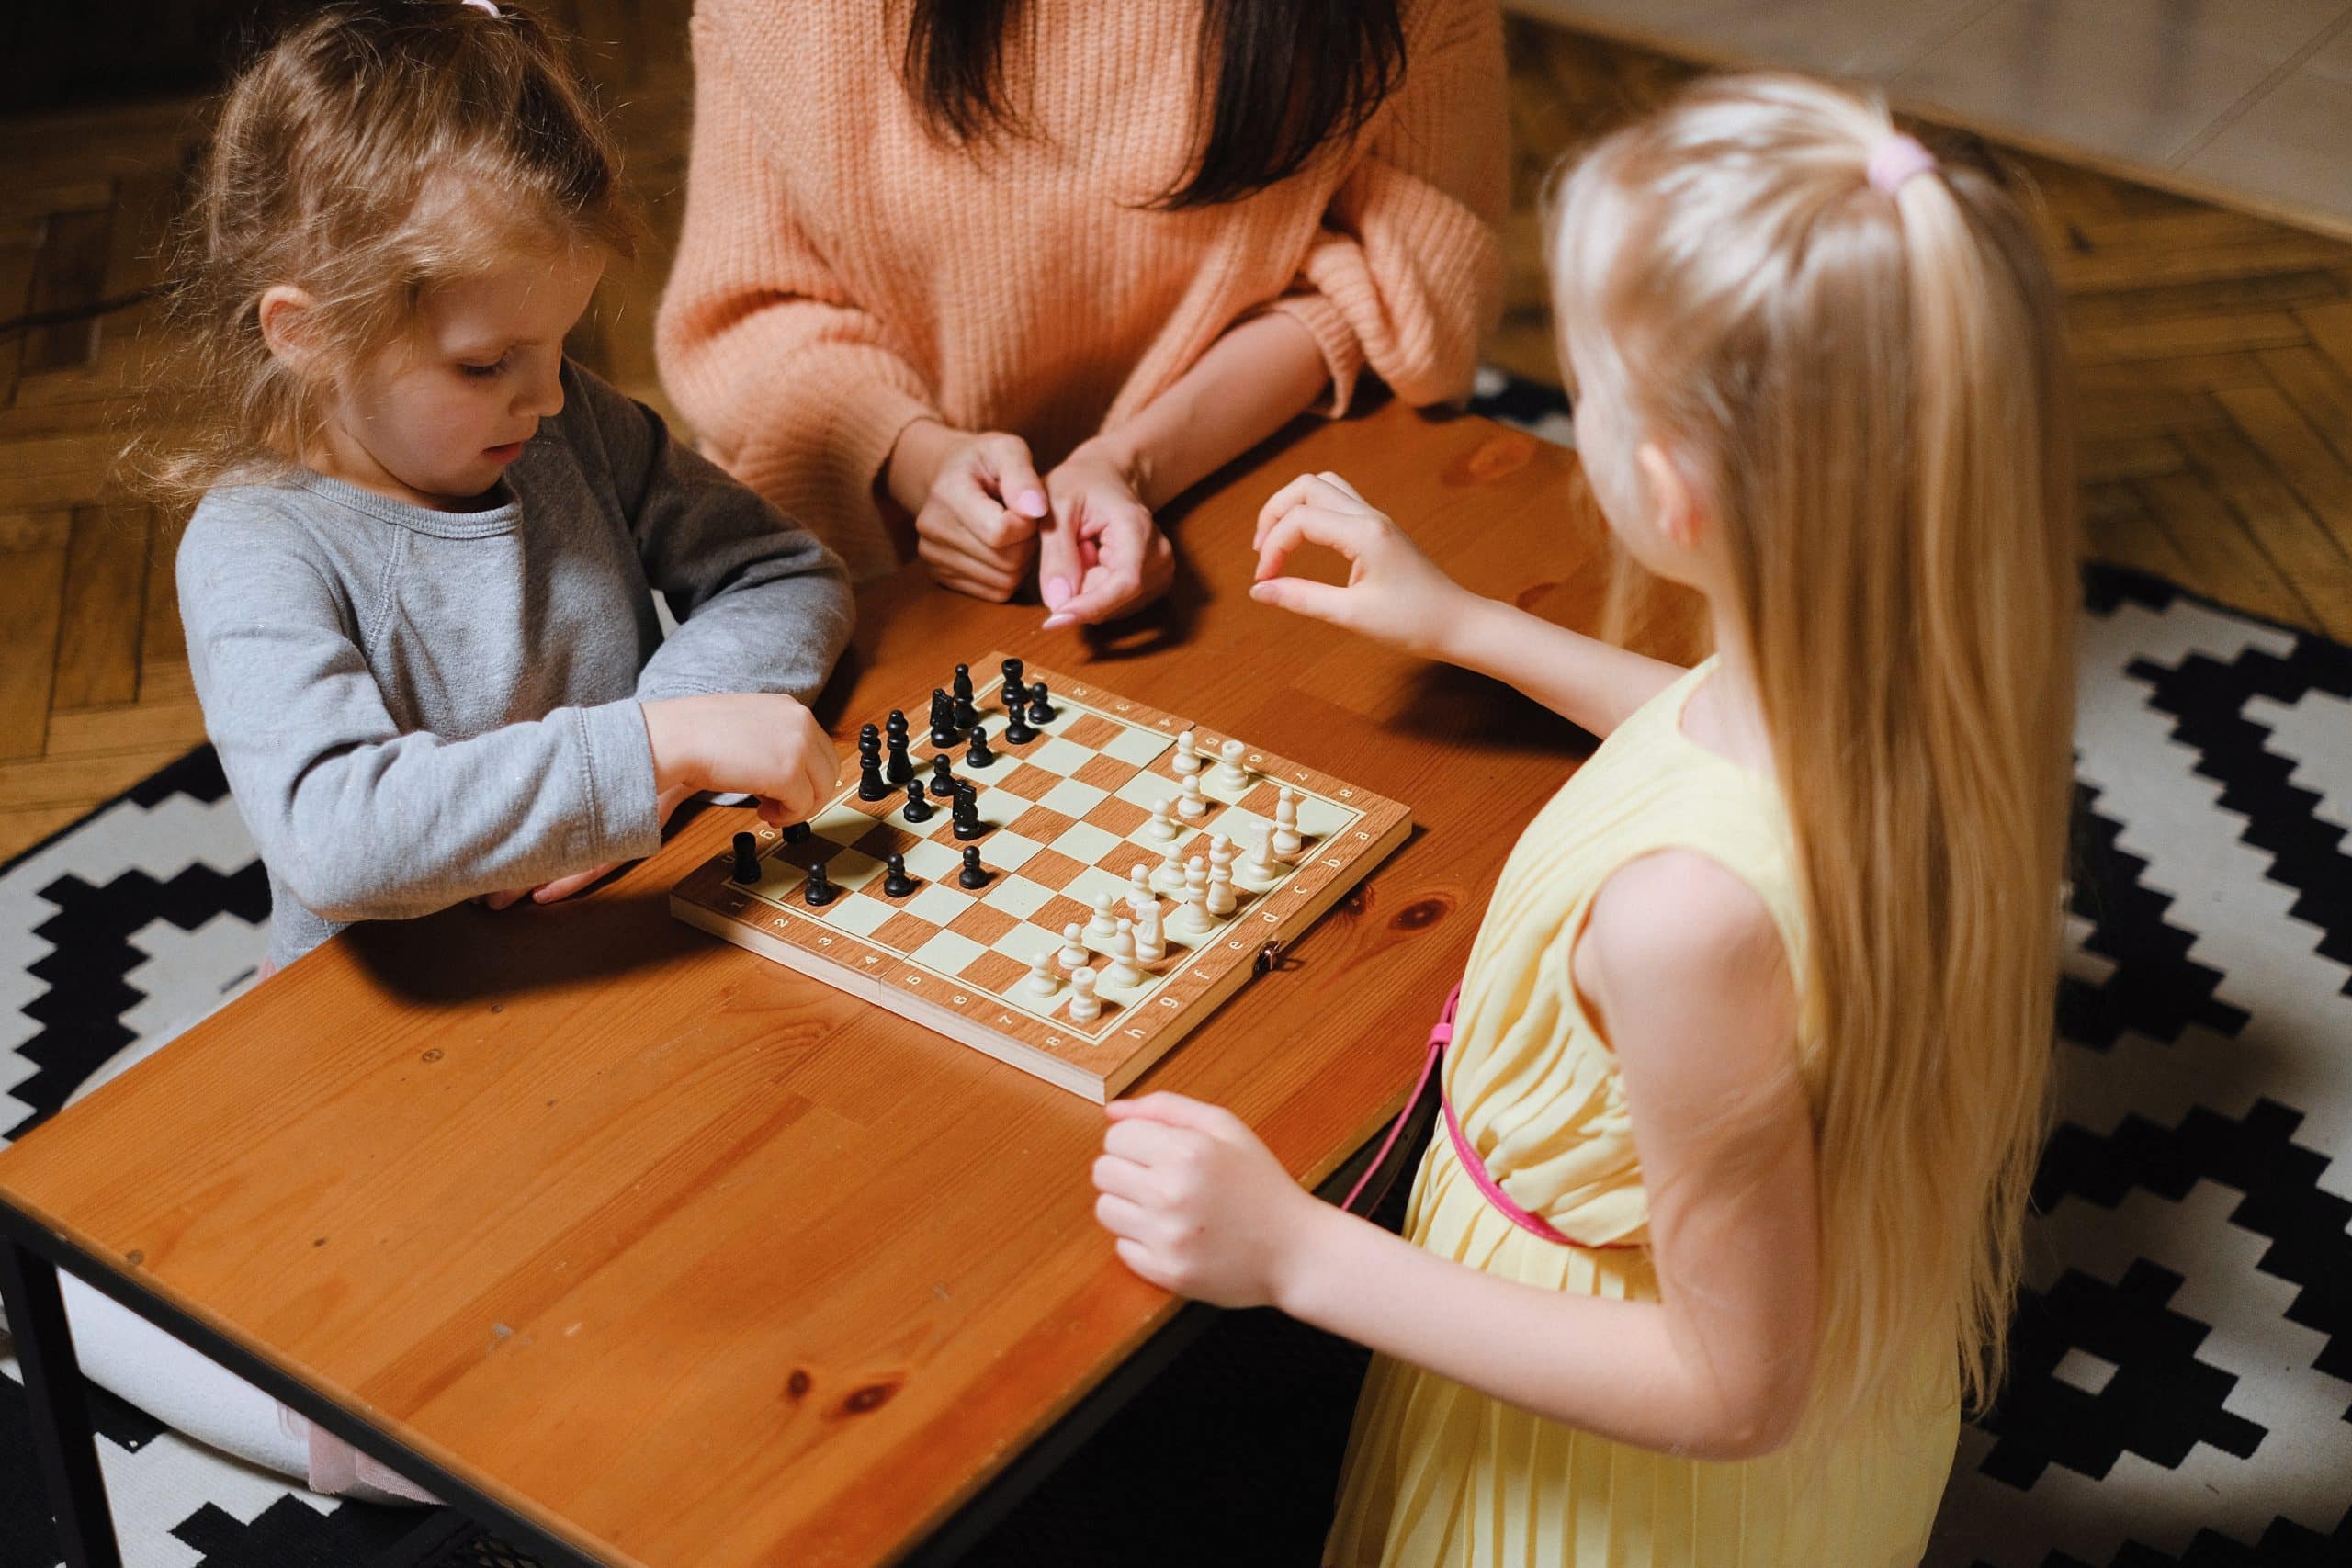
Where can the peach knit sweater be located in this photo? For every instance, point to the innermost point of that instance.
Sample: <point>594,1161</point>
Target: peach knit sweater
<point>842,274</point>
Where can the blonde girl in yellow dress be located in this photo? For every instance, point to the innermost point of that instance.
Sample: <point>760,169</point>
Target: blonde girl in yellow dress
<point>1719,1230</point>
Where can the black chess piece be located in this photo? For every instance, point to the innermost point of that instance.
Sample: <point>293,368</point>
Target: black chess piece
<point>942,719</point>
<point>1014,692</point>
<point>895,727</point>
<point>968,823</point>
<point>1017,731</point>
<point>943,775</point>
<point>820,891</point>
<point>871,784</point>
<point>962,715</point>
<point>974,874</point>
<point>979,756</point>
<point>963,687</point>
<point>917,807</point>
<point>747,858</point>
<point>900,767</point>
<point>796,832</point>
<point>896,882</point>
<point>1041,708</point>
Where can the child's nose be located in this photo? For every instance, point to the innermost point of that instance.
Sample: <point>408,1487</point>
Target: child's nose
<point>543,394</point>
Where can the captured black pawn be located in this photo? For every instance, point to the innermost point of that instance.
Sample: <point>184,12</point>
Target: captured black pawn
<point>896,882</point>
<point>942,719</point>
<point>796,832</point>
<point>974,874</point>
<point>747,858</point>
<point>942,774</point>
<point>1041,708</point>
<point>820,891</point>
<point>871,784</point>
<point>979,756</point>
<point>917,807</point>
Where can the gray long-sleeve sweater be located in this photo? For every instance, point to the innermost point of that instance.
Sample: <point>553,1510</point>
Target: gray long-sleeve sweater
<point>415,706</point>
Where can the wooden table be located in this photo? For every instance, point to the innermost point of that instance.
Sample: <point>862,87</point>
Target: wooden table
<point>636,1245</point>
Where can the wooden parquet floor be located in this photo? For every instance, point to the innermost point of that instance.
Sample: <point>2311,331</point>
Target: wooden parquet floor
<point>2214,353</point>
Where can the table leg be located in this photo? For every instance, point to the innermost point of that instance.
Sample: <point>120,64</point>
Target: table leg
<point>64,1442</point>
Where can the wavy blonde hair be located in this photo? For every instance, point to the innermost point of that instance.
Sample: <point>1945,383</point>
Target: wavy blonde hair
<point>1872,390</point>
<point>373,152</point>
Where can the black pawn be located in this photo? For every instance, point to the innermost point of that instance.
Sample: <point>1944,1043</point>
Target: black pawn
<point>942,774</point>
<point>796,832</point>
<point>1016,728</point>
<point>900,767</point>
<point>1041,708</point>
<point>974,874</point>
<point>747,858</point>
<point>918,808</point>
<point>820,892</point>
<point>896,882</point>
<point>979,756</point>
<point>967,818</point>
<point>895,727</point>
<point>963,687</point>
<point>871,784</point>
<point>942,719</point>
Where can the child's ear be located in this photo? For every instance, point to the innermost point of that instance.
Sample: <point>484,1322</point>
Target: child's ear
<point>1676,512</point>
<point>284,313</point>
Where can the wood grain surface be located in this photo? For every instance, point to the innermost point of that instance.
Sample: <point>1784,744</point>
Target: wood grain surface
<point>696,1262</point>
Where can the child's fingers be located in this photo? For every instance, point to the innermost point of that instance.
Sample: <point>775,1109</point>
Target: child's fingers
<point>1335,482</point>
<point>1305,596</point>
<point>1137,1256</point>
<point>1111,1173</point>
<point>504,899</point>
<point>565,887</point>
<point>1121,1216</point>
<point>1351,534</point>
<point>1146,1143</point>
<point>1175,1109</point>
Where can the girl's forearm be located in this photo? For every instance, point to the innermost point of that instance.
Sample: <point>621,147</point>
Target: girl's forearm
<point>1250,383</point>
<point>1593,684</point>
<point>1612,1368</point>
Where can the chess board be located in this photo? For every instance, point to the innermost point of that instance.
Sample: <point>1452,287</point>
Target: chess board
<point>1069,814</point>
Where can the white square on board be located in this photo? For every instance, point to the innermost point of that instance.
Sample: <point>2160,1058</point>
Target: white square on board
<point>1085,844</point>
<point>1060,756</point>
<point>939,902</point>
<point>1018,897</point>
<point>1072,798</point>
<point>1145,788</point>
<point>1140,747</point>
<point>860,917</point>
<point>932,859</point>
<point>947,952</point>
<point>1008,851</point>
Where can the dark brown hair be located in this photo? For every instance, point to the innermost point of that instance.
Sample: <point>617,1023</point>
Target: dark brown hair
<point>1280,80</point>
<point>370,153</point>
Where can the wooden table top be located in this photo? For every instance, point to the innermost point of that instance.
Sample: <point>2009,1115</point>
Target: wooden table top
<point>692,1260</point>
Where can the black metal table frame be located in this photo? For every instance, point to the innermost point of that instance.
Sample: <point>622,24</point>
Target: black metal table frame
<point>65,1438</point>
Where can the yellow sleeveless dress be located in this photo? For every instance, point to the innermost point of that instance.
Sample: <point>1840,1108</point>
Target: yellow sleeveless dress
<point>1440,1476</point>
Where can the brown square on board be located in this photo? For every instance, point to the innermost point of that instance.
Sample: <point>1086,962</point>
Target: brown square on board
<point>1091,731</point>
<point>1106,772</point>
<point>882,807</point>
<point>1120,817</point>
<point>903,932</point>
<point>1059,910</point>
<point>993,972</point>
<point>1040,826</point>
<point>883,841</point>
<point>1030,782</point>
<point>1260,801</point>
<point>808,851</point>
<point>1121,858</point>
<point>981,923</point>
<point>1049,868</point>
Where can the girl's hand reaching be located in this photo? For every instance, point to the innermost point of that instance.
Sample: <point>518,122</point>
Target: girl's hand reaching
<point>1394,593</point>
<point>763,744</point>
<point>1198,1204</point>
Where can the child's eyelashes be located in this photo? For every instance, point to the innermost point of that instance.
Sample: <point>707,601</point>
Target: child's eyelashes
<point>483,372</point>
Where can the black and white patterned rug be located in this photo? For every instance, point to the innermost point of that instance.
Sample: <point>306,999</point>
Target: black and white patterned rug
<point>2182,1392</point>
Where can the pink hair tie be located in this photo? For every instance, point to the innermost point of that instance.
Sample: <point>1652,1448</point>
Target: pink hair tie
<point>1896,159</point>
<point>484,7</point>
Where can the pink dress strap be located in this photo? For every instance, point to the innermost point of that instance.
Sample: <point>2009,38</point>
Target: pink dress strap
<point>1441,1036</point>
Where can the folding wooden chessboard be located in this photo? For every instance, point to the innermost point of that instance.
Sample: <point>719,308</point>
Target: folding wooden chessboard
<point>1068,815</point>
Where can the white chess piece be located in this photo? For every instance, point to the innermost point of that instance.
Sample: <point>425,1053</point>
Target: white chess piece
<point>1221,850</point>
<point>1188,754</point>
<point>1151,942</point>
<point>1192,806</point>
<point>1258,865</point>
<point>1083,1007</point>
<point>1231,774</point>
<point>1122,970</point>
<point>1043,981</point>
<point>1164,826</point>
<point>1104,922</point>
<point>1192,918</point>
<point>1286,842</point>
<point>1139,894</point>
<point>1169,877</point>
<point>1220,901</point>
<point>1073,953</point>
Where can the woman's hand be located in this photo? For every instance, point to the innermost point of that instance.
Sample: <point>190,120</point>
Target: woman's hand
<point>1394,593</point>
<point>1100,554</point>
<point>1198,1204</point>
<point>977,503</point>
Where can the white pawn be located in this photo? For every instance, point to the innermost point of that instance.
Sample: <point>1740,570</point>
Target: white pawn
<point>1151,942</point>
<point>1192,806</point>
<point>1286,842</point>
<point>1122,970</point>
<point>1193,918</point>
<point>1073,955</point>
<point>1169,877</point>
<point>1104,922</point>
<point>1221,851</point>
<point>1083,1007</point>
<point>1139,894</point>
<point>1042,978</point>
<point>1220,892</point>
<point>1188,754</point>
<point>1258,865</point>
<point>1164,826</point>
<point>1231,774</point>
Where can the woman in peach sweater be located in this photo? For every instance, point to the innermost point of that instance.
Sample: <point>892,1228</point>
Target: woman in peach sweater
<point>934,252</point>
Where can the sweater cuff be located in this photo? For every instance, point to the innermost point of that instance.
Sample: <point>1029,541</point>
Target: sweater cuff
<point>1342,354</point>
<point>618,756</point>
